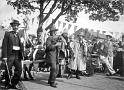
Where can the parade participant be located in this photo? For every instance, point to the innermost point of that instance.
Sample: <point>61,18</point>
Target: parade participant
<point>28,51</point>
<point>51,55</point>
<point>110,49</point>
<point>12,55</point>
<point>84,45</point>
<point>79,63</point>
<point>64,38</point>
<point>106,55</point>
<point>95,46</point>
<point>120,57</point>
<point>93,60</point>
<point>70,63</point>
<point>39,54</point>
<point>27,69</point>
<point>63,53</point>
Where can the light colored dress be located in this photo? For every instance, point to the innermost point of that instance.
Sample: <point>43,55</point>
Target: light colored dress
<point>79,62</point>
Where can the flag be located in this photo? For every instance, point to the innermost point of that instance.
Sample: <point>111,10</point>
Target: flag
<point>103,32</point>
<point>111,33</point>
<point>69,26</point>
<point>122,33</point>
<point>86,30</point>
<point>59,22</point>
<point>92,30</point>
<point>116,34</point>
<point>75,28</point>
<point>91,33</point>
<point>32,20</point>
<point>98,31</point>
<point>64,24</point>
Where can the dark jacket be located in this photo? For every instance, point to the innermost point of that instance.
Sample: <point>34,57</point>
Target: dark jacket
<point>7,45</point>
<point>103,49</point>
<point>95,48</point>
<point>51,50</point>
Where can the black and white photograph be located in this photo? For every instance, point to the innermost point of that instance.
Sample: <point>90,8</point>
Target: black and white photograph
<point>61,44</point>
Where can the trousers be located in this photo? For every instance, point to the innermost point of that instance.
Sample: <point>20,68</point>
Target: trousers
<point>13,61</point>
<point>54,68</point>
<point>108,64</point>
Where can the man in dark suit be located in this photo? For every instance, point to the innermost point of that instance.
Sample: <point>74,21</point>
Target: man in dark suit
<point>51,56</point>
<point>12,55</point>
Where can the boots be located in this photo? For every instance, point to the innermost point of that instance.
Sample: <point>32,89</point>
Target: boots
<point>25,76</point>
<point>78,74</point>
<point>52,84</point>
<point>78,77</point>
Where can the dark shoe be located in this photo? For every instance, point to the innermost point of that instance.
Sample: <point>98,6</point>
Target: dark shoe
<point>78,77</point>
<point>53,85</point>
<point>32,78</point>
<point>50,83</point>
<point>115,74</point>
<point>26,78</point>
<point>59,76</point>
<point>8,86</point>
<point>15,87</point>
<point>108,74</point>
<point>88,75</point>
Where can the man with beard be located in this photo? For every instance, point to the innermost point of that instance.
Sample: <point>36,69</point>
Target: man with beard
<point>12,55</point>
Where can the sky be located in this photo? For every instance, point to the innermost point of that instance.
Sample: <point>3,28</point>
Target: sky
<point>104,26</point>
<point>6,11</point>
<point>82,21</point>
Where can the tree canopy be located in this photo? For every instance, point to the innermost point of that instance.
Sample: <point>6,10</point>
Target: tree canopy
<point>101,10</point>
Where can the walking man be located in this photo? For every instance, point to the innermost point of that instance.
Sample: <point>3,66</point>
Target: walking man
<point>51,55</point>
<point>106,55</point>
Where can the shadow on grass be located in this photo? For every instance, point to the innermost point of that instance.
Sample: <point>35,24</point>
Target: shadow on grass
<point>42,79</point>
<point>116,78</point>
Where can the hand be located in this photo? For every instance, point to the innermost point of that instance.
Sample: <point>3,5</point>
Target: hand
<point>119,49</point>
<point>5,59</point>
<point>58,44</point>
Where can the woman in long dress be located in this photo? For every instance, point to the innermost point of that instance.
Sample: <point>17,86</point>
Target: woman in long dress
<point>77,64</point>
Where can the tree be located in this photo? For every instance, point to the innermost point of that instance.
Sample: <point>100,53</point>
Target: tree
<point>101,10</point>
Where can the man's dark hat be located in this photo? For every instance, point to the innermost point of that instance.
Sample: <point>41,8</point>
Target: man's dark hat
<point>15,22</point>
<point>53,28</point>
